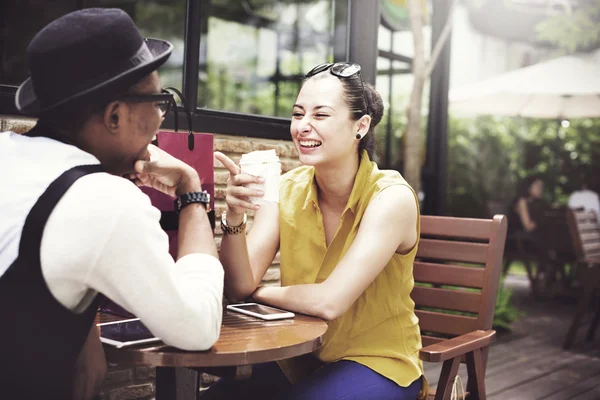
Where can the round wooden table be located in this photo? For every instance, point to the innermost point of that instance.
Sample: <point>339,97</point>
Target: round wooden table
<point>243,341</point>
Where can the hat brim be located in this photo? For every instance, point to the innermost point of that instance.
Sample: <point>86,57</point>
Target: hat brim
<point>27,102</point>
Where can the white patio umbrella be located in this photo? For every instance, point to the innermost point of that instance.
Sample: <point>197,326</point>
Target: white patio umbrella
<point>563,88</point>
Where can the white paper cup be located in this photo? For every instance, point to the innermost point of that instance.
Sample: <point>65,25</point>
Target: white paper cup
<point>265,164</point>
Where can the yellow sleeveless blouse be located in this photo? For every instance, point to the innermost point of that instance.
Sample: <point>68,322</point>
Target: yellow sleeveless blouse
<point>380,330</point>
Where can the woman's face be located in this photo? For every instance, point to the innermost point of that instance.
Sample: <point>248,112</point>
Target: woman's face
<point>536,189</point>
<point>321,127</point>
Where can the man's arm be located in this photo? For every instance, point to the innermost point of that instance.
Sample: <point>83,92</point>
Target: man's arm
<point>105,235</point>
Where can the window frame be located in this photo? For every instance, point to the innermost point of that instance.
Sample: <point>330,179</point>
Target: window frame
<point>434,171</point>
<point>347,45</point>
<point>358,44</point>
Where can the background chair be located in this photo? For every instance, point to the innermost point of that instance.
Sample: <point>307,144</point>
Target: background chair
<point>585,234</point>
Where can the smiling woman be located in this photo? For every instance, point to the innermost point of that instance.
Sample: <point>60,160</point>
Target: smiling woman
<point>330,90</point>
<point>347,233</point>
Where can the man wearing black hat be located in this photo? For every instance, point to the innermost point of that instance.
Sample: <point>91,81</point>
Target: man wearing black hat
<point>73,227</point>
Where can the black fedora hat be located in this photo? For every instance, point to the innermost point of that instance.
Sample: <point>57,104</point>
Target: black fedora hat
<point>88,55</point>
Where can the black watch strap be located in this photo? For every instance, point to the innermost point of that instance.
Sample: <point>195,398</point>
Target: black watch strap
<point>192,197</point>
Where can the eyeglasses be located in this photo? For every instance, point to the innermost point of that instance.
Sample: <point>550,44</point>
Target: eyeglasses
<point>341,70</point>
<point>163,100</point>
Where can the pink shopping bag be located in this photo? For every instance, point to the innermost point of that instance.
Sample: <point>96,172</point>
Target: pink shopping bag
<point>200,157</point>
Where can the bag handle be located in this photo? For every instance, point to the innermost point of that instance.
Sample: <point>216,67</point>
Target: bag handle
<point>191,141</point>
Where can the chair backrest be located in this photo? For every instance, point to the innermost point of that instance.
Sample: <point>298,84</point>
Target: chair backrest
<point>457,272</point>
<point>555,232</point>
<point>585,234</point>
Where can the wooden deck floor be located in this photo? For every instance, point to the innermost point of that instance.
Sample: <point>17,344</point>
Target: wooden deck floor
<point>529,363</point>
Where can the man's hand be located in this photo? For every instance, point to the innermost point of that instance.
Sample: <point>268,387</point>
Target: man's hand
<point>165,173</point>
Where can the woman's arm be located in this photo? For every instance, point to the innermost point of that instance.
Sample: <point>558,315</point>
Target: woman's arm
<point>523,212</point>
<point>389,225</point>
<point>245,258</point>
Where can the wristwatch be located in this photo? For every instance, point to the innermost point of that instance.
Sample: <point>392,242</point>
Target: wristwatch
<point>192,197</point>
<point>232,230</point>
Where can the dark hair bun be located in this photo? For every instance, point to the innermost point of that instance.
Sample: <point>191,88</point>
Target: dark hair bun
<point>375,104</point>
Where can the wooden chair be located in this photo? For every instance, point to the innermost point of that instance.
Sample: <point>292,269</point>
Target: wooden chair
<point>554,229</point>
<point>460,260</point>
<point>585,234</point>
<point>549,261</point>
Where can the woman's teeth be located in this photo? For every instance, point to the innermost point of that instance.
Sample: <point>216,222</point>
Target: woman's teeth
<point>310,143</point>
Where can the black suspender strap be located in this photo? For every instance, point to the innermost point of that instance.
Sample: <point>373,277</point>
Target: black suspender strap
<point>31,237</point>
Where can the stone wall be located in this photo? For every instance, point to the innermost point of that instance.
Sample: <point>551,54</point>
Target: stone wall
<point>18,125</point>
<point>137,383</point>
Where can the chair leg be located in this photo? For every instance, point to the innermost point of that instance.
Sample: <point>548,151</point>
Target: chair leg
<point>582,305</point>
<point>506,266</point>
<point>449,372</point>
<point>476,371</point>
<point>592,330</point>
<point>484,358</point>
<point>594,324</point>
<point>532,278</point>
<point>564,276</point>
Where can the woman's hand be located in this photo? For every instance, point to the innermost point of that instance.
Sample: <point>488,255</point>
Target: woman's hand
<point>530,227</point>
<point>165,173</point>
<point>237,195</point>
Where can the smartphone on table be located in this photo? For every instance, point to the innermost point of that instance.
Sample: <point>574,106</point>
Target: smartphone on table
<point>261,311</point>
<point>127,332</point>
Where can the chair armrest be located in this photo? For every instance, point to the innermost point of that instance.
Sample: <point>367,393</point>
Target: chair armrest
<point>457,346</point>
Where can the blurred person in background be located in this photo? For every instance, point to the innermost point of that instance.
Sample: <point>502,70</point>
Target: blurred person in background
<point>585,198</point>
<point>526,208</point>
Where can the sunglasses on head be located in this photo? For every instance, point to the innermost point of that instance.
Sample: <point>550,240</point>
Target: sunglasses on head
<point>163,100</point>
<point>341,70</point>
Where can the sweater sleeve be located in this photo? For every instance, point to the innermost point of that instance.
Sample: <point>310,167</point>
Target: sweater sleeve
<point>114,244</point>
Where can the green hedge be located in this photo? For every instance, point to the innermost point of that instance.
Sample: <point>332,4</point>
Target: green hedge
<point>488,156</point>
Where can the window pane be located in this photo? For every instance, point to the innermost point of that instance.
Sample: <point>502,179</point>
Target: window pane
<point>19,22</point>
<point>163,19</point>
<point>382,86</point>
<point>394,84</point>
<point>395,79</point>
<point>256,53</point>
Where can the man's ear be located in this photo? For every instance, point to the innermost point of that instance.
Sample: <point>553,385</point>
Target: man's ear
<point>363,124</point>
<point>113,115</point>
